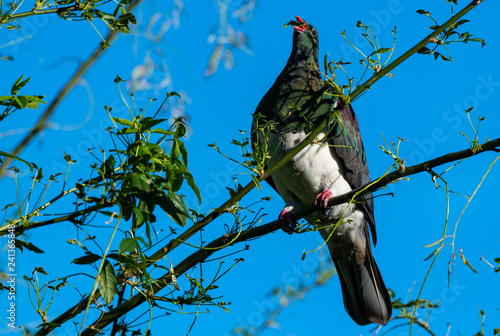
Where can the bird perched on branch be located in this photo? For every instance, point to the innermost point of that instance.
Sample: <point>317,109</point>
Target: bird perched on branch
<point>333,164</point>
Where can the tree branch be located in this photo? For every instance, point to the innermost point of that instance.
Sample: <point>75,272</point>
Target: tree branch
<point>56,10</point>
<point>20,229</point>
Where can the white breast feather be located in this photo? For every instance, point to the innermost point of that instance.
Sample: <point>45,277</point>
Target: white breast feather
<point>310,172</point>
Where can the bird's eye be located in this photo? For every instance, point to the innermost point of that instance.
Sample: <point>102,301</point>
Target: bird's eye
<point>314,33</point>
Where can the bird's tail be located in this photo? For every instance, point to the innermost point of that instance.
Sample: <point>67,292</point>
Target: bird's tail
<point>366,298</point>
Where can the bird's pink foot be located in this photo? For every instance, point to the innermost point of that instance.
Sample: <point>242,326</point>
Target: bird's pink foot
<point>321,201</point>
<point>286,222</point>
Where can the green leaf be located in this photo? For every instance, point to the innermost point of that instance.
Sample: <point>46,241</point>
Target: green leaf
<point>123,258</point>
<point>458,23</point>
<point>128,130</point>
<point>107,282</point>
<point>5,98</point>
<point>478,39</point>
<point>67,158</point>
<point>194,187</point>
<point>140,148</point>
<point>235,142</point>
<point>27,245</point>
<point>423,12</point>
<point>139,219</point>
<point>120,121</point>
<point>16,158</point>
<point>40,270</point>
<point>140,182</point>
<point>39,175</point>
<point>19,84</point>
<point>173,205</point>
<point>118,79</point>
<point>123,29</point>
<point>180,131</point>
<point>117,9</point>
<point>108,166</point>
<point>178,203</point>
<point>183,151</point>
<point>232,192</point>
<point>380,51</point>
<point>33,101</point>
<point>162,131</point>
<point>104,16</point>
<point>20,102</point>
<point>149,122</point>
<point>173,93</point>
<point>88,15</point>
<point>122,22</point>
<point>177,179</point>
<point>175,151</point>
<point>423,50</point>
<point>127,245</point>
<point>86,259</point>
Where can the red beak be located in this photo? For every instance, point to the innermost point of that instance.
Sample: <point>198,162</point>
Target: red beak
<point>302,27</point>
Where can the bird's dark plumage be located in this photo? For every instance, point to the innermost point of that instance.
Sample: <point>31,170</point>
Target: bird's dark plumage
<point>297,102</point>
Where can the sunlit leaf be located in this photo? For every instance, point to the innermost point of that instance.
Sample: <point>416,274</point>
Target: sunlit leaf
<point>27,245</point>
<point>86,259</point>
<point>19,83</point>
<point>107,282</point>
<point>127,245</point>
<point>124,122</point>
<point>17,158</point>
<point>194,187</point>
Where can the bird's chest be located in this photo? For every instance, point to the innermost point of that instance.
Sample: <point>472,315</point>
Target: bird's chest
<point>311,171</point>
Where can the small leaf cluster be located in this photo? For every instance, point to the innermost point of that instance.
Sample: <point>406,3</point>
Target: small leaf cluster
<point>497,268</point>
<point>199,293</point>
<point>40,291</point>
<point>373,61</point>
<point>448,36</point>
<point>369,62</point>
<point>14,101</point>
<point>118,19</point>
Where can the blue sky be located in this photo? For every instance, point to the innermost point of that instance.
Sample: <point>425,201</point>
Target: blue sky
<point>423,102</point>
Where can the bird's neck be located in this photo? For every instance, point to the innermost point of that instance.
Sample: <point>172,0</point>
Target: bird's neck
<point>303,62</point>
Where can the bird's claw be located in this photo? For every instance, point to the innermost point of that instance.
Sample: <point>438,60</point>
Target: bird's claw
<point>286,222</point>
<point>321,201</point>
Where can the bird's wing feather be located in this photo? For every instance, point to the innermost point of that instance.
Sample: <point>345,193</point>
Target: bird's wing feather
<point>347,148</point>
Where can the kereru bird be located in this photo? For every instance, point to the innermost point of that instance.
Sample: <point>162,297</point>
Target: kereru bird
<point>332,165</point>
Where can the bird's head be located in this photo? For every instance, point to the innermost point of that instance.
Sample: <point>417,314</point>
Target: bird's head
<point>305,37</point>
